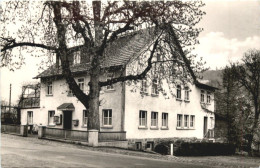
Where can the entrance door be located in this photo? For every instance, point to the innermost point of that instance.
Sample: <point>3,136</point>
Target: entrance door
<point>205,126</point>
<point>67,118</point>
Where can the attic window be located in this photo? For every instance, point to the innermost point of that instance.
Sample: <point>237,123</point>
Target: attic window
<point>110,76</point>
<point>76,58</point>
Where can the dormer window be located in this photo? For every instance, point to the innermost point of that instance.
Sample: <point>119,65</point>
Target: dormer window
<point>76,58</point>
<point>178,92</point>
<point>202,95</point>
<point>144,86</point>
<point>187,94</point>
<point>110,76</point>
<point>155,87</point>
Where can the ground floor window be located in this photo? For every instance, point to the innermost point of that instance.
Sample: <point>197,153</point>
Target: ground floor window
<point>154,119</point>
<point>51,117</point>
<point>164,119</point>
<point>186,121</point>
<point>29,117</point>
<point>192,121</point>
<point>107,117</point>
<point>85,118</point>
<point>179,120</point>
<point>142,118</point>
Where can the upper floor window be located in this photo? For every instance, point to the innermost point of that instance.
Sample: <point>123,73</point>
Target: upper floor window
<point>202,95</point>
<point>154,119</point>
<point>107,117</point>
<point>208,97</point>
<point>29,117</point>
<point>85,118</point>
<point>142,118</point>
<point>155,87</point>
<point>81,83</point>
<point>49,88</point>
<point>110,76</point>
<point>178,90</point>
<point>144,86</point>
<point>164,119</point>
<point>51,117</point>
<point>187,94</point>
<point>76,58</point>
<point>179,120</point>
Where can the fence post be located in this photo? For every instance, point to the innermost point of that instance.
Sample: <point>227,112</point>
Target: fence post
<point>171,149</point>
<point>41,132</point>
<point>93,137</point>
<point>24,130</point>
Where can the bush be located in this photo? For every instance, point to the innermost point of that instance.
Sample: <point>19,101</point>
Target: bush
<point>204,149</point>
<point>162,149</point>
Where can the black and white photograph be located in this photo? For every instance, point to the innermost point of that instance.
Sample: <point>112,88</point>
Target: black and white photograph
<point>131,84</point>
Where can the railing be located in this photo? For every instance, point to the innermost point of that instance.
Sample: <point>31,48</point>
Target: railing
<point>209,134</point>
<point>10,128</point>
<point>66,134</point>
<point>111,136</point>
<point>30,102</point>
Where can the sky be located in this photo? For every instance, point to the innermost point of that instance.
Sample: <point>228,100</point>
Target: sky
<point>231,27</point>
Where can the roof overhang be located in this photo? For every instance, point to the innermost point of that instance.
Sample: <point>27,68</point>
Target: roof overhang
<point>205,86</point>
<point>66,106</point>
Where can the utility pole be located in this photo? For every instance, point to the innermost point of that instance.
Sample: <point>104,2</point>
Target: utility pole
<point>10,98</point>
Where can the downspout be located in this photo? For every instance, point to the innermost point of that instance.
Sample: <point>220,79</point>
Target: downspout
<point>123,104</point>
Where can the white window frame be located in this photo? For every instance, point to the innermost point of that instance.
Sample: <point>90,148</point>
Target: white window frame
<point>110,76</point>
<point>107,119</point>
<point>81,83</point>
<point>192,121</point>
<point>186,121</point>
<point>178,92</point>
<point>187,94</point>
<point>144,86</point>
<point>165,120</point>
<point>77,58</point>
<point>84,119</point>
<point>142,121</point>
<point>51,115</point>
<point>49,90</point>
<point>155,87</point>
<point>211,122</point>
<point>202,96</point>
<point>154,119</point>
<point>179,120</point>
<point>30,117</point>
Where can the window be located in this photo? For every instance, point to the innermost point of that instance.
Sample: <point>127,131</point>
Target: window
<point>211,122</point>
<point>192,121</point>
<point>178,90</point>
<point>144,86</point>
<point>76,58</point>
<point>81,83</point>
<point>85,118</point>
<point>29,117</point>
<point>155,87</point>
<point>142,118</point>
<point>202,96</point>
<point>186,121</point>
<point>49,88</point>
<point>110,76</point>
<point>179,120</point>
<point>164,119</point>
<point>208,97</point>
<point>154,119</point>
<point>51,117</point>
<point>187,94</point>
<point>107,117</point>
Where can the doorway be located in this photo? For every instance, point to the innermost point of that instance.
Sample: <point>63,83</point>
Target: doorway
<point>67,118</point>
<point>205,130</point>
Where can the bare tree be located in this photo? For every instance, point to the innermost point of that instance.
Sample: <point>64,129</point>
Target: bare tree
<point>63,28</point>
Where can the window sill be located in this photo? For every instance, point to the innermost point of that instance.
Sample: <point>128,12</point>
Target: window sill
<point>178,99</point>
<point>142,127</point>
<point>71,95</point>
<point>186,101</point>
<point>154,128</point>
<point>109,90</point>
<point>164,128</point>
<point>107,127</point>
<point>154,95</point>
<point>51,125</point>
<point>144,93</point>
<point>184,128</point>
<point>49,95</point>
<point>84,126</point>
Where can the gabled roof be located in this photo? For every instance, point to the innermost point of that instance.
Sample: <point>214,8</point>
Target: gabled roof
<point>120,52</point>
<point>205,86</point>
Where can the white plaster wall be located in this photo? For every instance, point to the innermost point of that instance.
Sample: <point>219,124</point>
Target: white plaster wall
<point>135,102</point>
<point>37,117</point>
<point>109,100</point>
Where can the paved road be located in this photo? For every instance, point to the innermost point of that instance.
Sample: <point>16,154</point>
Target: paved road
<point>29,152</point>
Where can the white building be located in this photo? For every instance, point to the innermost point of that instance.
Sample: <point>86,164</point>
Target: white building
<point>145,115</point>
